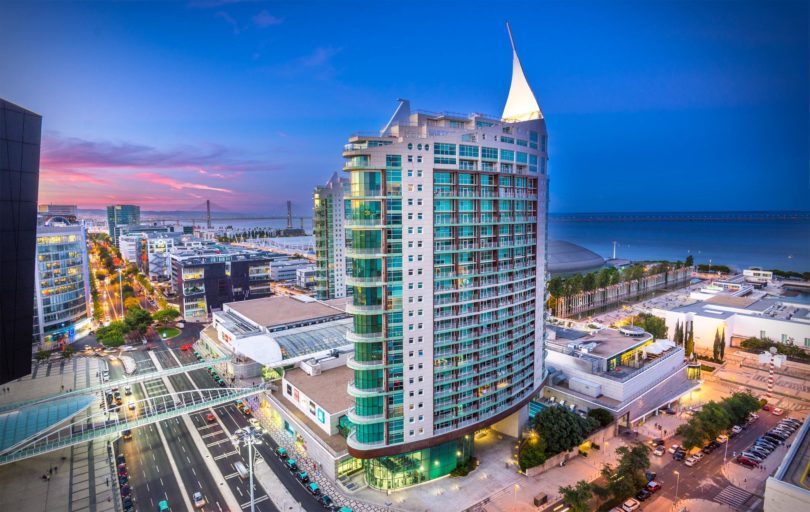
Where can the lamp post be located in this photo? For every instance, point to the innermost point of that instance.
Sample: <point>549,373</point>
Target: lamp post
<point>677,483</point>
<point>248,436</point>
<point>514,503</point>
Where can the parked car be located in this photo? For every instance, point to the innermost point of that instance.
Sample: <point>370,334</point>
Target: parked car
<point>746,462</point>
<point>778,411</point>
<point>722,438</point>
<point>653,486</point>
<point>691,461</point>
<point>630,505</point>
<point>313,489</point>
<point>291,465</point>
<point>766,407</point>
<point>674,448</point>
<point>659,451</point>
<point>281,452</point>
<point>302,476</point>
<point>679,455</point>
<point>736,429</point>
<point>326,501</point>
<point>699,455</point>
<point>210,418</point>
<point>643,494</point>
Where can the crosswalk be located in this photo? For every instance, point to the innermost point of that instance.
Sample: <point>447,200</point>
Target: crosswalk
<point>734,497</point>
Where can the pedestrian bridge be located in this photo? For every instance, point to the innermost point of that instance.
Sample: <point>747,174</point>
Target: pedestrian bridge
<point>147,411</point>
<point>140,377</point>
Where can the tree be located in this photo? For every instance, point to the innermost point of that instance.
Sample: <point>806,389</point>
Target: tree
<point>716,346</point>
<point>101,275</point>
<point>690,261</point>
<point>112,335</point>
<point>652,324</point>
<point>138,319</point>
<point>131,302</point>
<point>678,333</point>
<point>723,344</point>
<point>562,429</point>
<point>689,347</point>
<point>633,462</point>
<point>577,496</point>
<point>532,452</point>
<point>603,416</point>
<point>165,315</point>
<point>42,355</point>
<point>127,290</point>
<point>618,485</point>
<point>68,353</point>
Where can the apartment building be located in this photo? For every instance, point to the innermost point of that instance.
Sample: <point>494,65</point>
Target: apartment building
<point>446,235</point>
<point>329,230</point>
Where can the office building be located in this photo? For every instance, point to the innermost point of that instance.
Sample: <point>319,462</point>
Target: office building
<point>447,240</point>
<point>206,278</point>
<point>62,303</point>
<point>285,269</point>
<point>150,251</point>
<point>121,215</point>
<point>20,132</point>
<point>329,231</point>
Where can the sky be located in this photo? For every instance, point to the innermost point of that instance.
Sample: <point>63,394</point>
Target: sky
<point>650,105</point>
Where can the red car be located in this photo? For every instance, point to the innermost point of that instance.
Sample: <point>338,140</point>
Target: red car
<point>653,486</point>
<point>186,347</point>
<point>210,417</point>
<point>766,407</point>
<point>746,462</point>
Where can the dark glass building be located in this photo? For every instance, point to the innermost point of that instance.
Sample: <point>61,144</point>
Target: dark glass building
<point>20,133</point>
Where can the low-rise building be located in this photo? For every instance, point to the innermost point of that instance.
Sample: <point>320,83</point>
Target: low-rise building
<point>305,277</point>
<point>284,269</point>
<point>757,276</point>
<point>740,317</point>
<point>625,371</point>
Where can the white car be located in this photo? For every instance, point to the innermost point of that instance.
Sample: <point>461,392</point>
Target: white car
<point>631,505</point>
<point>131,406</point>
<point>722,438</point>
<point>659,451</point>
<point>198,499</point>
<point>254,423</point>
<point>674,448</point>
<point>699,455</point>
<point>691,461</point>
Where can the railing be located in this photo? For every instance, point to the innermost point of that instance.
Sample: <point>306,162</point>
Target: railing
<point>157,408</point>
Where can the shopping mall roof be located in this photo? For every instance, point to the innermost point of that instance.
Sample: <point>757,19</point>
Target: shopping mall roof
<point>284,310</point>
<point>327,389</point>
<point>25,423</point>
<point>567,258</point>
<point>294,345</point>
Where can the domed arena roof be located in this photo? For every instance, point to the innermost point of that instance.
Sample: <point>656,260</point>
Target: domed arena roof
<point>567,258</point>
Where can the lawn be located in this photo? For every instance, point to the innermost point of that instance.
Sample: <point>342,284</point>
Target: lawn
<point>168,332</point>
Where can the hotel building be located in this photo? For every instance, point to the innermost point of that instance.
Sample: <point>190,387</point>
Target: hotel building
<point>328,227</point>
<point>446,236</point>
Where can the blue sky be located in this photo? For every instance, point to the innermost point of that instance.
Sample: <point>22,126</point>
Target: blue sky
<point>652,105</point>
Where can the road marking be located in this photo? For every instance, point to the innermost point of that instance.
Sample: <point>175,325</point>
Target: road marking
<point>257,500</point>
<point>218,457</point>
<point>212,434</point>
<point>226,440</point>
<point>161,482</point>
<point>227,477</point>
<point>240,490</point>
<point>219,507</point>
<point>198,483</point>
<point>189,460</point>
<point>192,470</point>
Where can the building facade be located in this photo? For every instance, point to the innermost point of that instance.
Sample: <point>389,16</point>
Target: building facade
<point>121,215</point>
<point>207,278</point>
<point>62,303</point>
<point>447,241</point>
<point>20,133</point>
<point>329,230</point>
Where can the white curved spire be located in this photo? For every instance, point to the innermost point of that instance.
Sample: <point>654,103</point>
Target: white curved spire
<point>521,104</point>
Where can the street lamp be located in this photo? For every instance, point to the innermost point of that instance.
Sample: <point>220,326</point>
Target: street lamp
<point>121,291</point>
<point>248,436</point>
<point>677,483</point>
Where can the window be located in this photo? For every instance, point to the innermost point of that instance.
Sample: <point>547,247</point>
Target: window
<point>469,151</point>
<point>522,157</point>
<point>443,160</point>
<point>807,342</point>
<point>410,159</point>
<point>784,338</point>
<point>508,140</point>
<point>508,155</point>
<point>418,173</point>
<point>419,147</point>
<point>393,160</point>
<point>410,145</point>
<point>410,173</point>
<point>489,153</point>
<point>762,334</point>
<point>443,148</point>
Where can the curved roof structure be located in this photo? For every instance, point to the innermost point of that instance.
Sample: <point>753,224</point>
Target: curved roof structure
<point>567,258</point>
<point>20,425</point>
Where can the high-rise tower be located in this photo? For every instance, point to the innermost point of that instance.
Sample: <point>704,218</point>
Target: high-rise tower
<point>121,215</point>
<point>328,229</point>
<point>20,133</point>
<point>446,235</point>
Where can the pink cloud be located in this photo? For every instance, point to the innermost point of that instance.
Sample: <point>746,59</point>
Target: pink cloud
<point>178,185</point>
